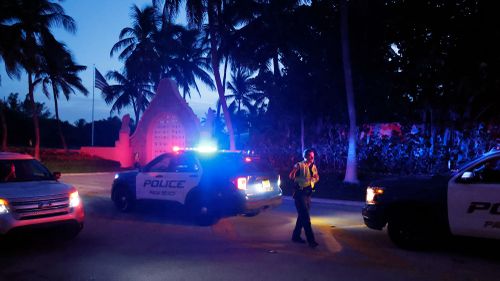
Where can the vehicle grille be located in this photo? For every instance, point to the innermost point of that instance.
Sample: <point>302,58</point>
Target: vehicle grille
<point>40,207</point>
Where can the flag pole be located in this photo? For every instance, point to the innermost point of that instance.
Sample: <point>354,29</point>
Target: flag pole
<point>93,89</point>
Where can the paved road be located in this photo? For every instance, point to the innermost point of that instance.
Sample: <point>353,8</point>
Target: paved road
<point>158,243</point>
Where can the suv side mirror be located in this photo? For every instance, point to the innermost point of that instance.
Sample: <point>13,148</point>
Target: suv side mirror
<point>57,175</point>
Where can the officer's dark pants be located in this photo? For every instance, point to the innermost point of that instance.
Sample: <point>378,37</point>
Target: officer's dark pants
<point>303,204</point>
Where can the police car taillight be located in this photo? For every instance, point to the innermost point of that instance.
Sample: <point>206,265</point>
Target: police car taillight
<point>3,206</point>
<point>241,183</point>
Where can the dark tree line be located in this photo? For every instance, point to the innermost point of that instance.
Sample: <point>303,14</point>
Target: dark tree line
<point>17,117</point>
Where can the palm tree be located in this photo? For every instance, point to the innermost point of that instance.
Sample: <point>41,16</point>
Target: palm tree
<point>351,169</point>
<point>244,92</point>
<point>35,18</point>
<point>197,11</point>
<point>61,73</point>
<point>183,57</point>
<point>137,44</point>
<point>129,91</point>
<point>10,39</point>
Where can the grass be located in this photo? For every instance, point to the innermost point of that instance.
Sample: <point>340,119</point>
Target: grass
<point>82,165</point>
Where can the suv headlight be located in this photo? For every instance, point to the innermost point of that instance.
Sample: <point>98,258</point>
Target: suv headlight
<point>74,199</point>
<point>372,192</point>
<point>3,206</point>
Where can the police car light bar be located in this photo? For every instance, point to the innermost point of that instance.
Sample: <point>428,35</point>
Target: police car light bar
<point>201,148</point>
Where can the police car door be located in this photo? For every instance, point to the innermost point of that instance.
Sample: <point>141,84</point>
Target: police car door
<point>474,200</point>
<point>170,178</point>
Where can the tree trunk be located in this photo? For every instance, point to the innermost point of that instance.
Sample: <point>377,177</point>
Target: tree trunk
<point>351,167</point>
<point>31,89</point>
<point>4,126</point>
<point>302,144</point>
<point>59,129</point>
<point>218,82</point>
<point>276,67</point>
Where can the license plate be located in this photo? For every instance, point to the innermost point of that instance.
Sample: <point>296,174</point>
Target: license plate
<point>266,185</point>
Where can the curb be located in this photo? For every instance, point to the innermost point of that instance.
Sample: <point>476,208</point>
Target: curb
<point>332,201</point>
<point>88,173</point>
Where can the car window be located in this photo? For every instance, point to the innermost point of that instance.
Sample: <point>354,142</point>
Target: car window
<point>489,171</point>
<point>184,163</point>
<point>484,172</point>
<point>161,164</point>
<point>23,170</point>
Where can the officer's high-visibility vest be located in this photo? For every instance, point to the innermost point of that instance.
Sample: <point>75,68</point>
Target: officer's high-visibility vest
<point>303,176</point>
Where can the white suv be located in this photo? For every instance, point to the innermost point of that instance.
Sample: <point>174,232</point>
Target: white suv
<point>31,196</point>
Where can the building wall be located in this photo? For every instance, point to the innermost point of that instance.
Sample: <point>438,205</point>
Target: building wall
<point>168,118</point>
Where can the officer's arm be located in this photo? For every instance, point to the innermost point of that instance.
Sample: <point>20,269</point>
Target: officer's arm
<point>315,174</point>
<point>293,172</point>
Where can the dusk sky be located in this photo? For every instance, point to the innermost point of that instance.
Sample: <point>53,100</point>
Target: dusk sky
<point>99,23</point>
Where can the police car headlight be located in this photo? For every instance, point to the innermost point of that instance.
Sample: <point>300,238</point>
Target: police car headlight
<point>117,176</point>
<point>3,207</point>
<point>74,199</point>
<point>372,192</point>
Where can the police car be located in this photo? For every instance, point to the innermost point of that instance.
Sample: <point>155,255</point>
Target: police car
<point>32,197</point>
<point>418,209</point>
<point>209,184</point>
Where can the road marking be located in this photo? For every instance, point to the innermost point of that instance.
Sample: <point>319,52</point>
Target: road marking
<point>332,245</point>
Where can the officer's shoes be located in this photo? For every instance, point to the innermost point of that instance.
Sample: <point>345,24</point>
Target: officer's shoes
<point>313,244</point>
<point>298,240</point>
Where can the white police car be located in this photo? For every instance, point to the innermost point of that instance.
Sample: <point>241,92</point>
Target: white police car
<point>210,184</point>
<point>417,209</point>
<point>32,197</point>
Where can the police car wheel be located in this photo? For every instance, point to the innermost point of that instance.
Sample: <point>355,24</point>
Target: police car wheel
<point>123,201</point>
<point>202,212</point>
<point>404,235</point>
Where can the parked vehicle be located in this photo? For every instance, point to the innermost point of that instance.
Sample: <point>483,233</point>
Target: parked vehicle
<point>209,184</point>
<point>417,209</point>
<point>32,197</point>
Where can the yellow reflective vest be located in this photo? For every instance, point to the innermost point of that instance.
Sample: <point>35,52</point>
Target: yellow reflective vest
<point>303,176</point>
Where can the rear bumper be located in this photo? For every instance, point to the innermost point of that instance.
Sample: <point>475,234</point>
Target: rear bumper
<point>75,217</point>
<point>262,203</point>
<point>374,216</point>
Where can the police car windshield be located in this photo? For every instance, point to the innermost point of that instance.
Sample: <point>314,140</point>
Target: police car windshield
<point>23,170</point>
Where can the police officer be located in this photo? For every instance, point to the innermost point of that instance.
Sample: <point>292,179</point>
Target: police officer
<point>305,175</point>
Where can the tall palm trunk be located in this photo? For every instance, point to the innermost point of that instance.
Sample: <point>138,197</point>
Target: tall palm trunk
<point>351,167</point>
<point>4,126</point>
<point>218,82</point>
<point>276,67</point>
<point>56,109</point>
<point>135,106</point>
<point>31,89</point>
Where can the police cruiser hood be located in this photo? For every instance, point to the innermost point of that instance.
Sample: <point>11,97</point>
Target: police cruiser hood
<point>33,189</point>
